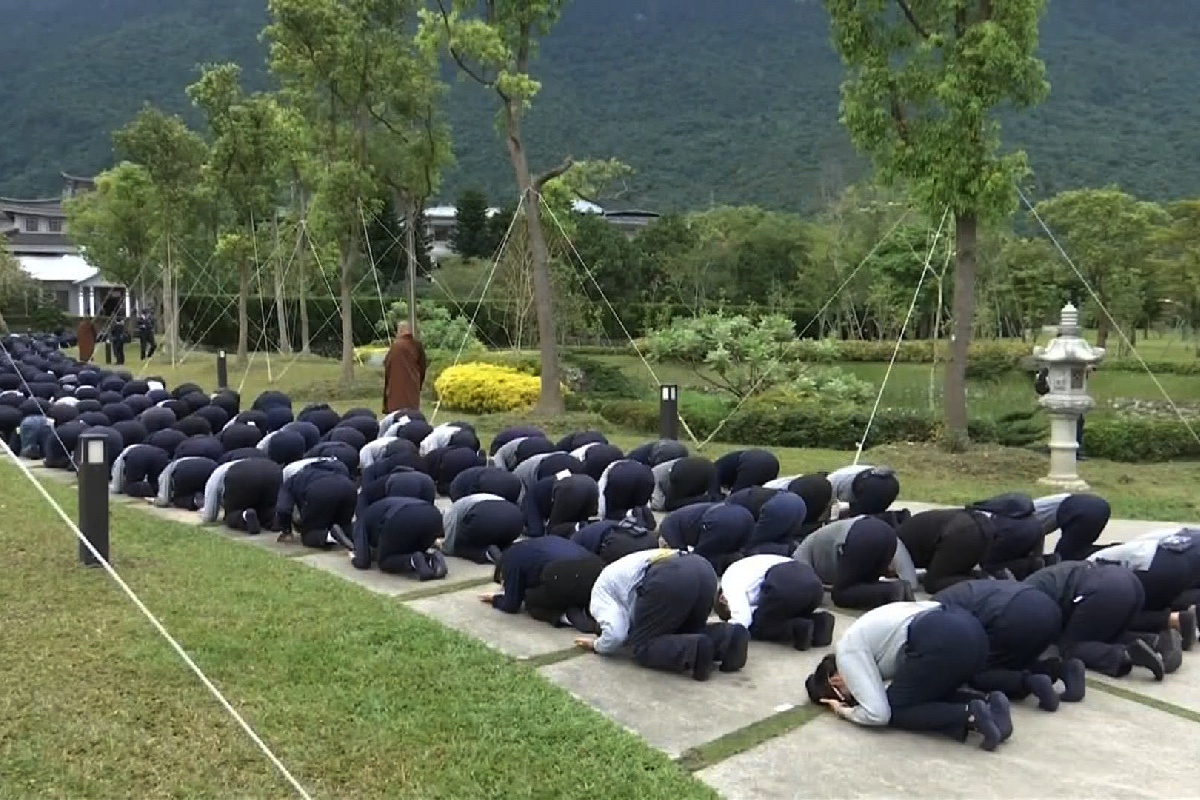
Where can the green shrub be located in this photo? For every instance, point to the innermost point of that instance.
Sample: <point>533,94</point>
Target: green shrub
<point>1136,439</point>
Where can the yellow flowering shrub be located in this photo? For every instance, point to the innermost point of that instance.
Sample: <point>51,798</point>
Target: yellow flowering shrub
<point>479,388</point>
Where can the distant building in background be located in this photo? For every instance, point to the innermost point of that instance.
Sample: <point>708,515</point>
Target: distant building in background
<point>440,220</point>
<point>34,231</point>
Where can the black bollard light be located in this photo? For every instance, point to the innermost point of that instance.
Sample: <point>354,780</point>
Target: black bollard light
<point>93,497</point>
<point>668,411</point>
<point>222,370</point>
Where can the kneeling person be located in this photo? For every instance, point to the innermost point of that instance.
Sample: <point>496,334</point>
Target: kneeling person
<point>552,577</point>
<point>655,604</point>
<point>928,652</point>
<point>319,500</point>
<point>480,527</point>
<point>777,599</point>
<point>399,534</point>
<point>247,491</point>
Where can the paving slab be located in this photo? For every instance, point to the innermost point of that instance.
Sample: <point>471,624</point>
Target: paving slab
<point>337,562</point>
<point>1181,688</point>
<point>517,635</point>
<point>1085,750</point>
<point>675,713</point>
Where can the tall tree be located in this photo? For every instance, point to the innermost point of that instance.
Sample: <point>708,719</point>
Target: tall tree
<point>350,67</point>
<point>13,282</point>
<point>1112,238</point>
<point>1180,267</point>
<point>925,79</point>
<point>172,155</point>
<point>245,165</point>
<point>492,43</point>
<point>111,226</point>
<point>469,239</point>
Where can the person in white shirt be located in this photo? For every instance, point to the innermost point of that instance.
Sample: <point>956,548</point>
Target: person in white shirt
<point>655,605</point>
<point>777,599</point>
<point>928,652</point>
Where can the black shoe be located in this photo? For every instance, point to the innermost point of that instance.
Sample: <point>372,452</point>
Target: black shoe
<point>1141,654</point>
<point>823,623</point>
<point>1050,559</point>
<point>1001,714</point>
<point>493,554</point>
<point>737,648</point>
<point>702,667</point>
<point>250,517</point>
<point>1187,628</point>
<point>437,562</point>
<point>421,566</point>
<point>580,620</point>
<point>340,537</point>
<point>980,719</point>
<point>1170,647</point>
<point>1074,677</point>
<point>1041,687</point>
<point>802,633</point>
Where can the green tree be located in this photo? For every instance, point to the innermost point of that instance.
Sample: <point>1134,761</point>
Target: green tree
<point>385,244</point>
<point>173,156</point>
<point>440,330</point>
<point>13,282</point>
<point>469,239</point>
<point>492,44</point>
<point>925,80</point>
<point>1035,281</point>
<point>349,68</point>
<point>1112,238</point>
<point>1180,265</point>
<point>245,166</point>
<point>111,226</point>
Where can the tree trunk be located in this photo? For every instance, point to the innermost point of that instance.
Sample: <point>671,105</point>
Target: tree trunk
<point>285,340</point>
<point>551,400</point>
<point>302,271</point>
<point>1102,330</point>
<point>170,320</point>
<point>410,247</point>
<point>346,261</point>
<point>954,398</point>
<point>243,345</point>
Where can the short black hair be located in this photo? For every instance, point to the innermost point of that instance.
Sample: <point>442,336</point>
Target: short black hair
<point>817,685</point>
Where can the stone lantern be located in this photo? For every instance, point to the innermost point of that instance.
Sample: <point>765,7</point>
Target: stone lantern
<point>1067,358</point>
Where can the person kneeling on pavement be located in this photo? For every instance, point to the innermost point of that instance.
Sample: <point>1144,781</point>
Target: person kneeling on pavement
<point>481,527</point>
<point>552,577</point>
<point>319,500</point>
<point>777,599</point>
<point>399,533</point>
<point>655,605</point>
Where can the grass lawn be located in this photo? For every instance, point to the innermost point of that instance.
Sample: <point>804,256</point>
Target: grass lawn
<point>358,696</point>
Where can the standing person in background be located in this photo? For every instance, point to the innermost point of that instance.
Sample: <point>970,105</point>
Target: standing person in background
<point>403,371</point>
<point>145,333</point>
<point>118,335</point>
<point>85,335</point>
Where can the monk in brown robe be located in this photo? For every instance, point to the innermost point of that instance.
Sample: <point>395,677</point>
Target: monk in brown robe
<point>85,334</point>
<point>403,372</point>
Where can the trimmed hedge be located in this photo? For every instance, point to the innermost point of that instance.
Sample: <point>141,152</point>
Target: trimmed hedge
<point>480,388</point>
<point>1111,438</point>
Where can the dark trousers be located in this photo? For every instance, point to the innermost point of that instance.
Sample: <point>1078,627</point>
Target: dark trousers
<point>1016,545</point>
<point>957,554</point>
<point>670,614</point>
<point>327,502</point>
<point>148,346</point>
<point>187,481</point>
<point>1096,630</point>
<point>118,350</point>
<point>565,584</point>
<point>1081,519</point>
<point>489,523</point>
<point>946,647</point>
<point>1169,576</point>
<point>249,487</point>
<point>866,555</point>
<point>789,591</point>
<point>873,494</point>
<point>399,541</point>
<point>1017,637</point>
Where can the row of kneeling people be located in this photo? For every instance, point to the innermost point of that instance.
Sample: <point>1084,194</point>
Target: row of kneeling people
<point>370,485</point>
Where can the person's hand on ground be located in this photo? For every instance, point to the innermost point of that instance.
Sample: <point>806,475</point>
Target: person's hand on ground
<point>486,597</point>
<point>586,642</point>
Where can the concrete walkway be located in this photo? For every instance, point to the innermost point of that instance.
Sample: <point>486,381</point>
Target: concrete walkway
<point>753,736</point>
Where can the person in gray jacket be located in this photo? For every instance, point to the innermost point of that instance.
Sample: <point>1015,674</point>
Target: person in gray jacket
<point>181,484</point>
<point>866,489</point>
<point>683,482</point>
<point>927,651</point>
<point>853,555</point>
<point>480,527</point>
<point>246,490</point>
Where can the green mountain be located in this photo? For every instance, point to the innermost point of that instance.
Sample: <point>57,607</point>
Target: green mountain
<point>711,101</point>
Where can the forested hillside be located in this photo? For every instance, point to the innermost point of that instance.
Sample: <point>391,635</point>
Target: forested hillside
<point>709,100</point>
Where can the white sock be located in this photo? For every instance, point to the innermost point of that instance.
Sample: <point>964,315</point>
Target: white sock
<point>563,619</point>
